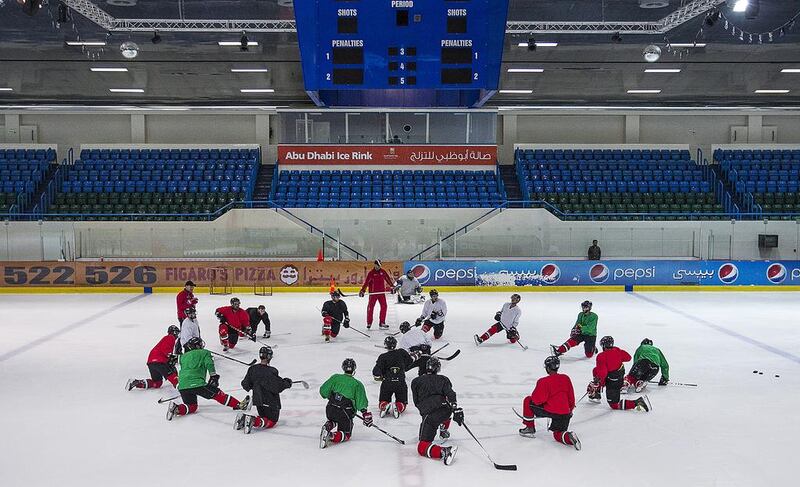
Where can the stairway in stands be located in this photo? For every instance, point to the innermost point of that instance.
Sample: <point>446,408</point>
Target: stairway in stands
<point>509,174</point>
<point>263,182</point>
<point>727,186</point>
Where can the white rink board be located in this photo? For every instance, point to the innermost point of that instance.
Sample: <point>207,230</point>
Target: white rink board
<point>66,420</point>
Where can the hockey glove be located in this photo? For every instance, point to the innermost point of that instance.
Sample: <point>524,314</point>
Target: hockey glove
<point>213,381</point>
<point>287,382</point>
<point>512,334</point>
<point>222,318</point>
<point>367,418</point>
<point>346,322</point>
<point>418,290</point>
<point>377,378</point>
<point>418,322</point>
<point>498,315</point>
<point>361,294</point>
<point>575,332</point>
<point>663,381</point>
<point>172,359</point>
<point>458,415</point>
<point>193,301</point>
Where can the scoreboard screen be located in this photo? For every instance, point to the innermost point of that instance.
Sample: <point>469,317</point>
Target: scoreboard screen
<point>436,52</point>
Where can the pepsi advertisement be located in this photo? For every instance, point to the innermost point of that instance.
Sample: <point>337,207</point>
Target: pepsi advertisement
<point>606,273</point>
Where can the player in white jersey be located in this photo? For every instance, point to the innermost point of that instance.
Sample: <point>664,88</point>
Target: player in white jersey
<point>190,328</point>
<point>413,339</point>
<point>409,289</point>
<point>433,315</point>
<point>506,319</point>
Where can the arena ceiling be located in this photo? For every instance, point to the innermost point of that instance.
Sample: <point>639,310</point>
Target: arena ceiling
<point>584,69</point>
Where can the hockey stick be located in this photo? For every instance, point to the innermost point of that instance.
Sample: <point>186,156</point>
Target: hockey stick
<point>581,399</point>
<point>162,400</point>
<point>526,419</point>
<point>524,347</point>
<point>252,362</point>
<point>439,349</point>
<point>452,356</point>
<point>496,465</point>
<point>384,432</point>
<point>347,327</point>
<point>305,384</point>
<point>278,334</point>
<point>674,383</point>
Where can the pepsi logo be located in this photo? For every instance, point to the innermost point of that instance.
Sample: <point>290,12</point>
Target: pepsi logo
<point>550,273</point>
<point>598,273</point>
<point>421,272</point>
<point>776,273</point>
<point>728,273</point>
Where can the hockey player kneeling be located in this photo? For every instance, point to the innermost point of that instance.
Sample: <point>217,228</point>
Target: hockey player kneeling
<point>160,362</point>
<point>390,369</point>
<point>433,314</point>
<point>334,314</point>
<point>195,364</point>
<point>554,398</point>
<point>647,360</point>
<point>345,395</point>
<point>609,373</point>
<point>506,319</point>
<point>434,397</point>
<point>267,386</point>
<point>408,288</point>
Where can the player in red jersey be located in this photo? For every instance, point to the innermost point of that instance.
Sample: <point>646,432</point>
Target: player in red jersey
<point>609,373</point>
<point>378,282</point>
<point>554,398</point>
<point>161,363</point>
<point>184,300</point>
<point>233,323</point>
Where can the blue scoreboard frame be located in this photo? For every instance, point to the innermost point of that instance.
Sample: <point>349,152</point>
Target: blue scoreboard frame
<point>401,52</point>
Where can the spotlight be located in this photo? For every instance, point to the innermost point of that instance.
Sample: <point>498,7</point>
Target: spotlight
<point>531,44</point>
<point>156,38</point>
<point>243,42</point>
<point>63,13</point>
<point>616,38</point>
<point>651,53</point>
<point>129,49</point>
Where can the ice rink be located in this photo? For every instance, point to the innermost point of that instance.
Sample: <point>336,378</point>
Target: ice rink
<point>66,420</point>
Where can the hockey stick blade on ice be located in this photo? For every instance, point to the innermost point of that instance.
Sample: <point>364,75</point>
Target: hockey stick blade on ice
<point>163,400</point>
<point>682,384</point>
<point>383,431</point>
<point>452,356</point>
<point>498,466</point>
<point>304,383</point>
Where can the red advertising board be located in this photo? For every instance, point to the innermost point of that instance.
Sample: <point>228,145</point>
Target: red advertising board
<point>416,155</point>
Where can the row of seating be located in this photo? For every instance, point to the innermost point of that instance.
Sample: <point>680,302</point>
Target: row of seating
<point>7,199</point>
<point>756,154</point>
<point>315,203</point>
<point>765,175</point>
<point>606,166</point>
<point>190,199</point>
<point>631,204</point>
<point>398,176</point>
<point>766,186</point>
<point>14,176</point>
<point>165,154</point>
<point>153,186</point>
<point>615,187</point>
<point>602,154</point>
<point>208,175</point>
<point>170,165</point>
<point>567,175</point>
<point>628,198</point>
<point>10,155</point>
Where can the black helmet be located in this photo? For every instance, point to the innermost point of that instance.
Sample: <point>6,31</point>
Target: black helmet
<point>647,341</point>
<point>607,342</point>
<point>390,342</point>
<point>433,365</point>
<point>265,353</point>
<point>405,327</point>
<point>552,363</point>
<point>517,296</point>
<point>336,294</point>
<point>235,301</point>
<point>410,272</point>
<point>586,304</point>
<point>195,343</point>
<point>349,366</point>
<point>425,349</point>
<point>190,310</point>
<point>173,330</point>
<point>433,292</point>
<point>189,283</point>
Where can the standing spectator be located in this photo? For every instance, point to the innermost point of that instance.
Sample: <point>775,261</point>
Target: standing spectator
<point>594,251</point>
<point>185,300</point>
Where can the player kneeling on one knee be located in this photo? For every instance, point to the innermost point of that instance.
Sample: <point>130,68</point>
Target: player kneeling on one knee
<point>267,386</point>
<point>584,331</point>
<point>334,314</point>
<point>160,362</point>
<point>554,398</point>
<point>434,312</point>
<point>408,288</point>
<point>195,363</point>
<point>647,360</point>
<point>506,319</point>
<point>390,369</point>
<point>234,322</point>
<point>434,397</point>
<point>345,395</point>
<point>609,373</point>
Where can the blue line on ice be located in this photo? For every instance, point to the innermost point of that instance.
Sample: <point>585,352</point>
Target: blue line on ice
<point>68,328</point>
<point>721,329</point>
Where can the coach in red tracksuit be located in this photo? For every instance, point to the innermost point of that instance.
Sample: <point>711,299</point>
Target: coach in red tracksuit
<point>233,322</point>
<point>185,300</point>
<point>378,282</point>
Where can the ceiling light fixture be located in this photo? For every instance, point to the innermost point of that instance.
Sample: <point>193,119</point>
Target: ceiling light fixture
<point>126,90</point>
<point>6,89</point>
<point>662,70</point>
<point>249,70</point>
<point>539,44</point>
<point>85,43</point>
<point>129,49</point>
<point>108,70</point>
<point>644,92</point>
<point>236,43</point>
<point>740,5</point>
<point>257,90</point>
<point>790,70</point>
<point>515,92</point>
<point>525,70</point>
<point>771,92</point>
<point>688,45</point>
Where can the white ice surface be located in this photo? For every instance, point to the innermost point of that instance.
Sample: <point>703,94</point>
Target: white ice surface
<point>65,419</point>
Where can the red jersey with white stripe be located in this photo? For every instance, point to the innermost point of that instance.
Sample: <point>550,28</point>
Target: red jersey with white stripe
<point>377,282</point>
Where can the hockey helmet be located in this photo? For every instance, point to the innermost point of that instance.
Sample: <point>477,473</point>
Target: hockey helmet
<point>433,365</point>
<point>647,341</point>
<point>349,366</point>
<point>434,293</point>
<point>405,327</point>
<point>190,311</point>
<point>607,342</point>
<point>265,353</point>
<point>189,283</point>
<point>516,298</point>
<point>586,304</point>
<point>552,363</point>
<point>390,343</point>
<point>195,343</point>
<point>173,330</point>
<point>235,302</point>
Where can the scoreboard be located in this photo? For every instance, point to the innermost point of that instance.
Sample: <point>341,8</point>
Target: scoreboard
<point>401,52</point>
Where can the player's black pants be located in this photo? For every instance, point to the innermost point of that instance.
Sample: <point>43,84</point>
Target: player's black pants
<point>189,396</point>
<point>438,329</point>
<point>614,385</point>
<point>421,362</point>
<point>160,371</point>
<point>559,422</point>
<point>261,319</point>
<point>269,412</point>
<point>431,421</point>
<point>397,388</point>
<point>644,370</point>
<point>342,418</point>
